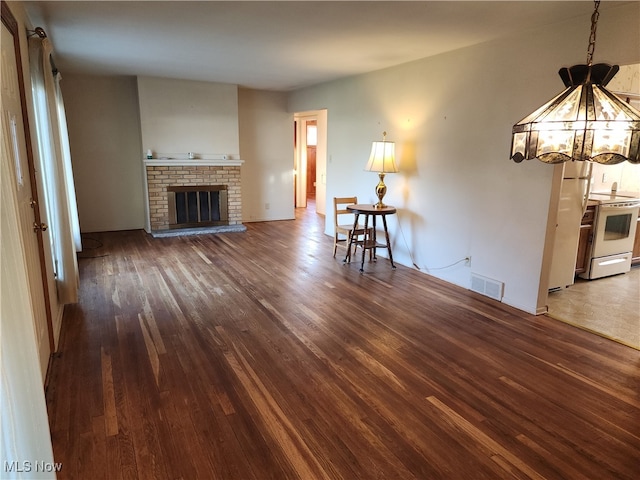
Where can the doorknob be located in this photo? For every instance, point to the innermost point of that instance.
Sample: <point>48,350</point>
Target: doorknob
<point>40,226</point>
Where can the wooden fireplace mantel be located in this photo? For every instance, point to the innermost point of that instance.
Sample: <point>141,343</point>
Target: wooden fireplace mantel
<point>181,162</point>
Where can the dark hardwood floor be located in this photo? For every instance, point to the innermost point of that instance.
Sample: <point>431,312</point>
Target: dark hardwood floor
<point>257,355</point>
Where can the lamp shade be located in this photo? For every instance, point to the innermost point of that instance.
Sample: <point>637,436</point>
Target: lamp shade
<point>585,122</point>
<point>382,158</point>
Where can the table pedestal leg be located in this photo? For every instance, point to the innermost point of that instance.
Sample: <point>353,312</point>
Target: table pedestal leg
<point>366,240</point>
<point>386,234</point>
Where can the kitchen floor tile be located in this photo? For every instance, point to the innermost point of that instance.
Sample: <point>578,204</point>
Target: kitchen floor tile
<point>607,306</point>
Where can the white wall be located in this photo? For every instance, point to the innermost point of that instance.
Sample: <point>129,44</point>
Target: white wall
<point>626,175</point>
<point>266,146</point>
<point>106,152</point>
<point>457,193</point>
<point>181,116</point>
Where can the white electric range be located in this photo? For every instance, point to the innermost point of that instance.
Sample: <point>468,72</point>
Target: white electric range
<point>613,233</point>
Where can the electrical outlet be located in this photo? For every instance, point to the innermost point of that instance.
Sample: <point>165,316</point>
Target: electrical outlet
<point>468,260</point>
<point>604,178</point>
<point>267,206</point>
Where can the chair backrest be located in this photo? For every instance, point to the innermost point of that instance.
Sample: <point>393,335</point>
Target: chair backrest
<point>340,207</point>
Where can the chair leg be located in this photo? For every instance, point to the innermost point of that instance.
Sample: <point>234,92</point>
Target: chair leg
<point>347,245</point>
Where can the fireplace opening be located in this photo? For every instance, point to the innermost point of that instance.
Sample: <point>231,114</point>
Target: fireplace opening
<point>198,206</point>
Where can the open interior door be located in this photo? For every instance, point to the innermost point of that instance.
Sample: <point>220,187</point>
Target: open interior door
<point>17,152</point>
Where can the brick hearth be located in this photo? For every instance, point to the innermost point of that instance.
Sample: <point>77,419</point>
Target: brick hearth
<point>159,177</point>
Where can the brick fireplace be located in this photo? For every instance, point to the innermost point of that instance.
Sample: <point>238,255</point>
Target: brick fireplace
<point>164,175</point>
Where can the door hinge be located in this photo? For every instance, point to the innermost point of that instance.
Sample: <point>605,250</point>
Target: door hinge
<point>42,227</point>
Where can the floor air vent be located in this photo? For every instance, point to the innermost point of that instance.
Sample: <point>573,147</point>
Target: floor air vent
<point>487,286</point>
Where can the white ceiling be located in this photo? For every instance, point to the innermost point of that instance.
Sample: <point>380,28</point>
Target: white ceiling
<point>278,45</point>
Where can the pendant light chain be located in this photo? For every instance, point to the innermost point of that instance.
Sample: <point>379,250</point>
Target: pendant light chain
<point>592,37</point>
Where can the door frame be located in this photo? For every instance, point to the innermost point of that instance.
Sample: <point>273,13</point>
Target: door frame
<point>12,25</point>
<point>300,159</point>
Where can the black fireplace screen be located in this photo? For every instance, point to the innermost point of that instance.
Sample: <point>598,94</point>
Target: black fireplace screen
<point>197,206</point>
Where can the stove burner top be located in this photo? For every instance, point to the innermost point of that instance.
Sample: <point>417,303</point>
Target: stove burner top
<point>623,198</point>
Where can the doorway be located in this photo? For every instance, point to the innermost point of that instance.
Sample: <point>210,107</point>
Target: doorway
<point>310,159</point>
<point>312,143</point>
<point>606,306</point>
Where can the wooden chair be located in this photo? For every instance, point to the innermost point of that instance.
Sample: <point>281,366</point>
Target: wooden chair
<point>343,223</point>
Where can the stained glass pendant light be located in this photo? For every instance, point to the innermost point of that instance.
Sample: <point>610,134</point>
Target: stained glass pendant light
<point>585,122</point>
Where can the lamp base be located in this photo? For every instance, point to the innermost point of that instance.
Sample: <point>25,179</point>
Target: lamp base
<point>381,190</point>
